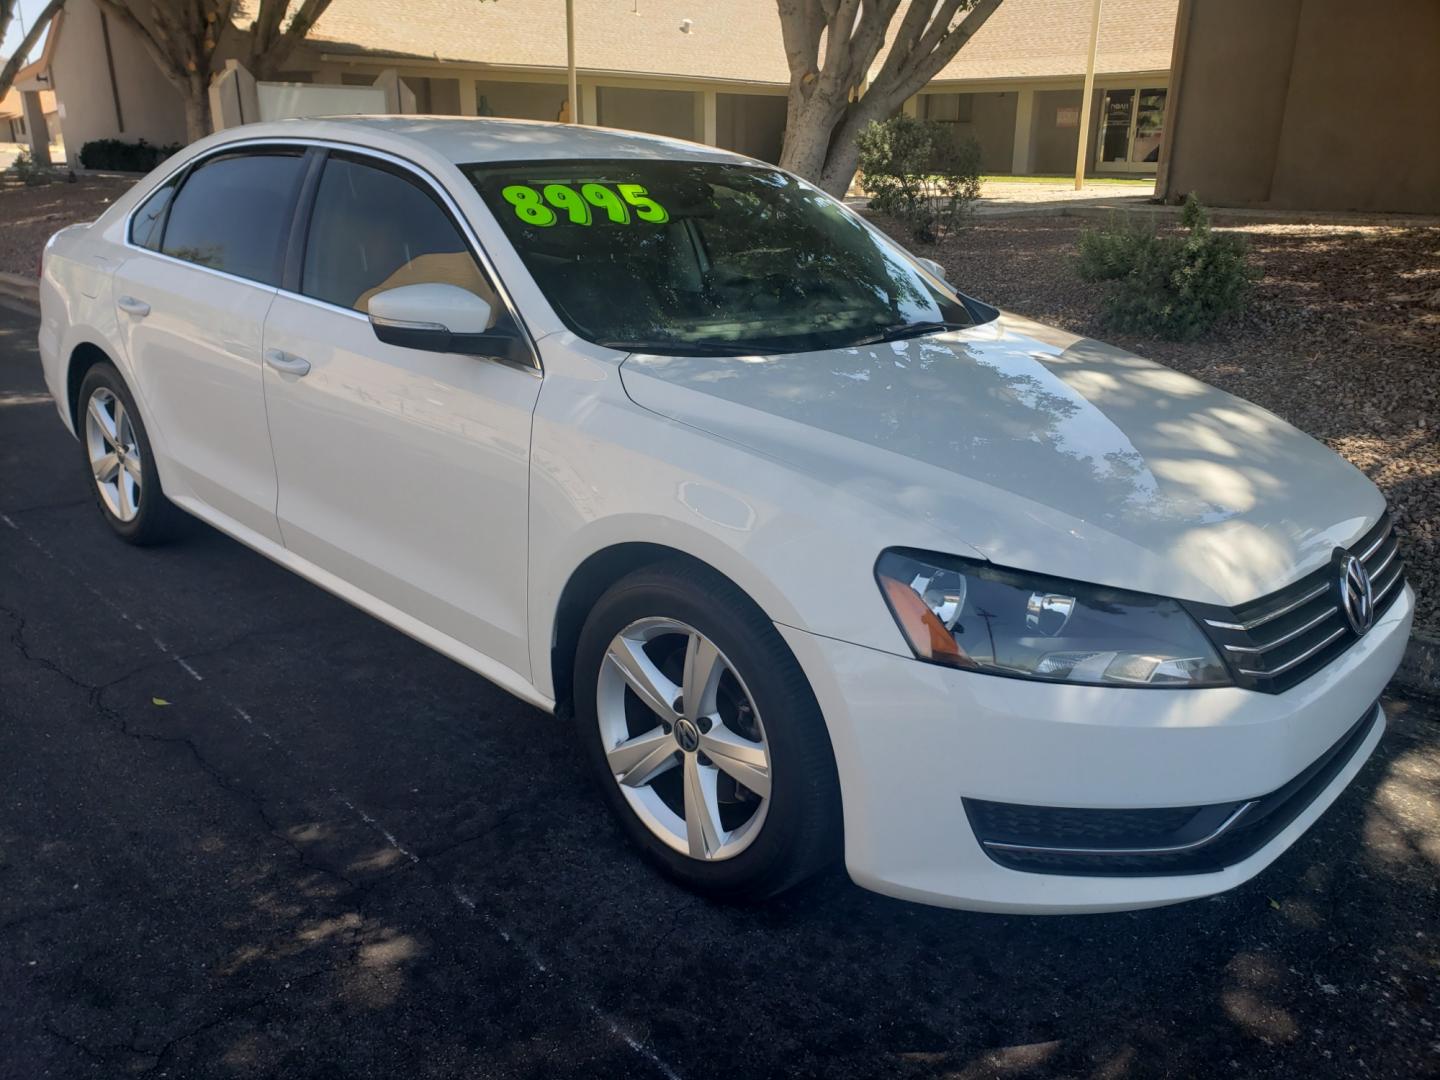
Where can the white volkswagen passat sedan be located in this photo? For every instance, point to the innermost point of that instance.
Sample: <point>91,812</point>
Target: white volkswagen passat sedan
<point>822,554</point>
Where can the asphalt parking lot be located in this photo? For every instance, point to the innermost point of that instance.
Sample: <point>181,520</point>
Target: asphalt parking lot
<point>246,830</point>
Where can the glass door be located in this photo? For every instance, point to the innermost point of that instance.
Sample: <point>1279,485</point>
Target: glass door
<point>1116,116</point>
<point>1132,126</point>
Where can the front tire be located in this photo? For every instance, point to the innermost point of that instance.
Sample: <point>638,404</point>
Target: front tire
<point>119,461</point>
<point>704,735</point>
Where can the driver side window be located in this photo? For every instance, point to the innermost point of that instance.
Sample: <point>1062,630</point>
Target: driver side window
<point>374,229</point>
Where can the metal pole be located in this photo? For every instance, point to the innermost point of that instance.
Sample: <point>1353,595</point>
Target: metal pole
<point>570,60</point>
<point>1085,100</point>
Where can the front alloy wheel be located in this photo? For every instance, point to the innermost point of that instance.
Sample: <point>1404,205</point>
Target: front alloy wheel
<point>683,739</point>
<point>704,735</point>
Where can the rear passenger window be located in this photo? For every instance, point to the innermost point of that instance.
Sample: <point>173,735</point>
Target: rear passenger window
<point>373,229</point>
<point>233,214</point>
<point>148,222</point>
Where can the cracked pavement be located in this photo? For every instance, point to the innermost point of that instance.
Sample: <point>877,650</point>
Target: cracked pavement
<point>334,853</point>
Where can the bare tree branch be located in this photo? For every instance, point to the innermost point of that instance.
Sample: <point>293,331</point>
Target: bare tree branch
<point>27,43</point>
<point>270,45</point>
<point>946,46</point>
<point>830,46</point>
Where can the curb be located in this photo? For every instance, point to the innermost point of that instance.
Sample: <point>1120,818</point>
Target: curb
<point>21,290</point>
<point>1241,216</point>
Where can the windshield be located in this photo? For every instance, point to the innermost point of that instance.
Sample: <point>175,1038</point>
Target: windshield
<point>687,256</point>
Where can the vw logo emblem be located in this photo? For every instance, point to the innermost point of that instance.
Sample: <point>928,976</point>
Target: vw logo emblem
<point>687,735</point>
<point>1356,597</point>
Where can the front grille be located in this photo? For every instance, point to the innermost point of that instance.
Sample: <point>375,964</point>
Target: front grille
<point>1153,842</point>
<point>1279,640</point>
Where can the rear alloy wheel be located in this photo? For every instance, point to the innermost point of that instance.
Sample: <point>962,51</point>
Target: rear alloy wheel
<point>119,460</point>
<point>704,735</point>
<point>114,454</point>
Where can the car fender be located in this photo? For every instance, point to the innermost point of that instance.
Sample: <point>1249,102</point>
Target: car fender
<point>605,471</point>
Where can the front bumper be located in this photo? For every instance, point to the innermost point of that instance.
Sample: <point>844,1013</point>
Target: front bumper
<point>913,741</point>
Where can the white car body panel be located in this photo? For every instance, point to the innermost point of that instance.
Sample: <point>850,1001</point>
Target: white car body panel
<point>403,472</point>
<point>1035,447</point>
<point>911,739</point>
<point>454,498</point>
<point>197,353</point>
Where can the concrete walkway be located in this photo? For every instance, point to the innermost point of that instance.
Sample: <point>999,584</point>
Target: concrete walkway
<point>9,151</point>
<point>1000,198</point>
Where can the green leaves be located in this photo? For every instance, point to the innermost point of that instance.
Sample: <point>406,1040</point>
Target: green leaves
<point>920,172</point>
<point>1174,286</point>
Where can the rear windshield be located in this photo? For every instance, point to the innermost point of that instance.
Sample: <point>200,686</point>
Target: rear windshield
<point>685,256</point>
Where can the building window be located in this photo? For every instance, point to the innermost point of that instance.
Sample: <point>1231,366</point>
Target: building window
<point>948,108</point>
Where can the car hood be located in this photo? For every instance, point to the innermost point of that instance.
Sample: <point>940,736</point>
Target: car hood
<point>1040,450</point>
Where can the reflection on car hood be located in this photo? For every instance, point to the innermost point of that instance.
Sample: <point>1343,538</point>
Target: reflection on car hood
<point>1041,450</point>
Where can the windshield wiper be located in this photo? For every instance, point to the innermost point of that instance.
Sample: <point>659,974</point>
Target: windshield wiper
<point>680,348</point>
<point>900,331</point>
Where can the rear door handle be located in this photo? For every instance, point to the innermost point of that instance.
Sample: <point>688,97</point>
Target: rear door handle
<point>131,306</point>
<point>289,364</point>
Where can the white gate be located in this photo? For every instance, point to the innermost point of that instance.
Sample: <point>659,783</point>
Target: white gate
<point>281,101</point>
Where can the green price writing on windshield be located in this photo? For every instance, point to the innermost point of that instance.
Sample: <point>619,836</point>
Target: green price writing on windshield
<point>538,207</point>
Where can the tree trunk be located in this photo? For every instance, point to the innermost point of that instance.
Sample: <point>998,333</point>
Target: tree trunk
<point>844,155</point>
<point>822,120</point>
<point>197,110</point>
<point>807,143</point>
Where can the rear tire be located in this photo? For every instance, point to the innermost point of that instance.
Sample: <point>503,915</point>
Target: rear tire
<point>754,721</point>
<point>119,462</point>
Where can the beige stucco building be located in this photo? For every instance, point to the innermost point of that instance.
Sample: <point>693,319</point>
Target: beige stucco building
<point>1017,87</point>
<point>13,125</point>
<point>1316,105</point>
<point>712,72</point>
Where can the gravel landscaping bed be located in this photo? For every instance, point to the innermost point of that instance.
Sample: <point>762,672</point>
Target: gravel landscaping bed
<point>28,215</point>
<point>1342,340</point>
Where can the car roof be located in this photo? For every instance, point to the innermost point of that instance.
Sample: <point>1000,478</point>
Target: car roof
<point>465,140</point>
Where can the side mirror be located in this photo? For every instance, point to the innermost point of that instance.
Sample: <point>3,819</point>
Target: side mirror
<point>443,318</point>
<point>934,268</point>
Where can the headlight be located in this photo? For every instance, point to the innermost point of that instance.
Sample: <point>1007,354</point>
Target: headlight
<point>973,615</point>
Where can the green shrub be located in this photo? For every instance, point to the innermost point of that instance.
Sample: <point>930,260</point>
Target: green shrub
<point>1115,250</point>
<point>30,172</point>
<point>919,172</point>
<point>120,156</point>
<point>1175,287</point>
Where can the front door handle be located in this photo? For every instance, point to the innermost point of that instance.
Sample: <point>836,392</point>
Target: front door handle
<point>131,306</point>
<point>284,361</point>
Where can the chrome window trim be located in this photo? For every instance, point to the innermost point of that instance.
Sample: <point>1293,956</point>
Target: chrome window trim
<point>178,171</point>
<point>427,180</point>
